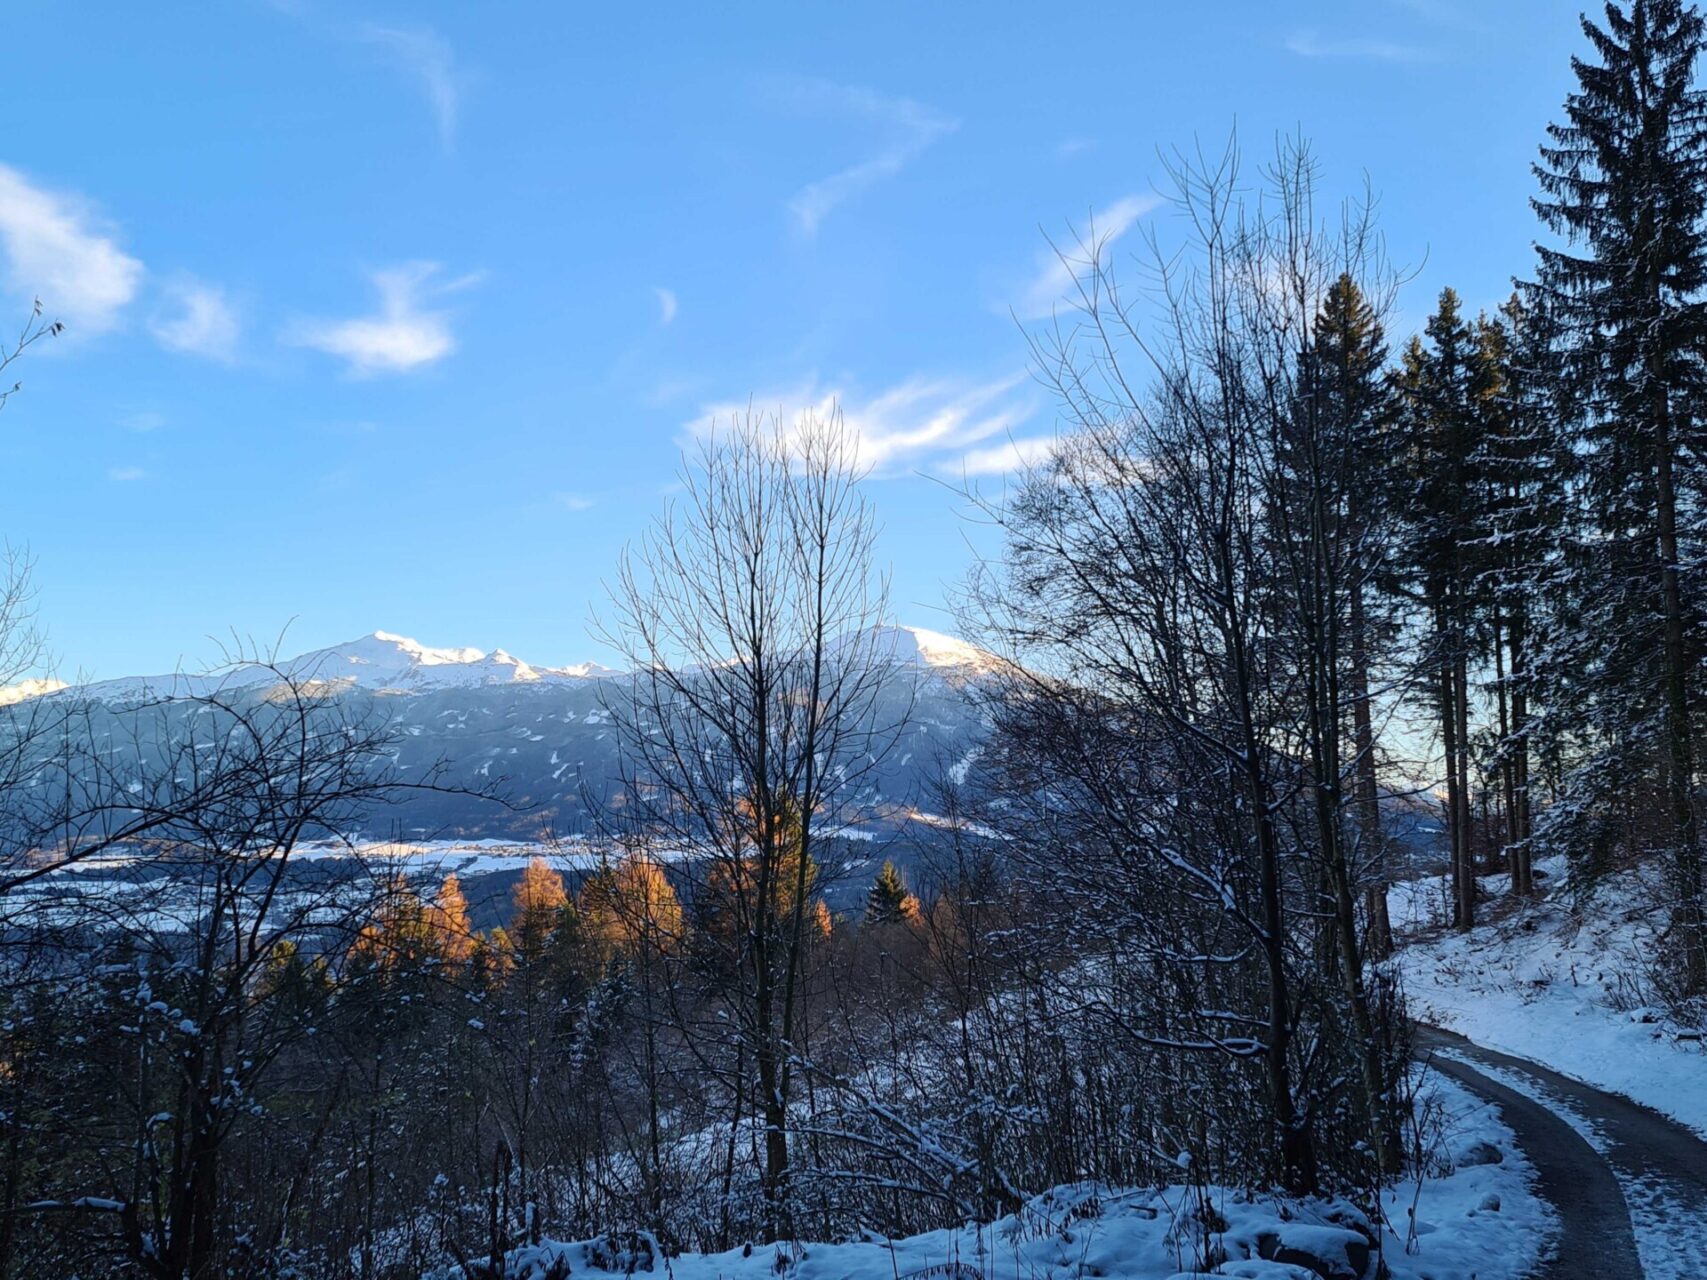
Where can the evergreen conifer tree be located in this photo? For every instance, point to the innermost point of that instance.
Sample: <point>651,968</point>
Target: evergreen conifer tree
<point>889,901</point>
<point>1441,386</point>
<point>1624,182</point>
<point>1520,467</point>
<point>1347,376</point>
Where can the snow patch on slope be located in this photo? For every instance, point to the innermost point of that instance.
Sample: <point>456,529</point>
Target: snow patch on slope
<point>1558,984</point>
<point>1080,1231</point>
<point>920,647</point>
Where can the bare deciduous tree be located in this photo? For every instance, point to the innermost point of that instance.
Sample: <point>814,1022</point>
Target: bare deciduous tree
<point>754,716</point>
<point>1181,568</point>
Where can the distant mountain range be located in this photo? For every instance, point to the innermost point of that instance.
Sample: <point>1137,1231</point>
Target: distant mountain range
<point>541,736</point>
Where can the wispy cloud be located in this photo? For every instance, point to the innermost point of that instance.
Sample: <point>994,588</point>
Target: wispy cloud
<point>427,57</point>
<point>1307,44</point>
<point>59,249</point>
<point>945,426</point>
<point>574,501</point>
<point>1058,267</point>
<point>337,479</point>
<point>668,304</point>
<point>406,333</point>
<point>197,320</point>
<point>1069,147</point>
<point>1011,455</point>
<point>143,420</point>
<point>909,127</point>
<point>126,475</point>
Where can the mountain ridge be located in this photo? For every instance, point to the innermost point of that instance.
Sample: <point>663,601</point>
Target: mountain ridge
<point>388,662</point>
<point>479,720</point>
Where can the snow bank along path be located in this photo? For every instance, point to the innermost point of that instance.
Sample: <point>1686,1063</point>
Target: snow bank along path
<point>1630,1185</point>
<point>1551,984</point>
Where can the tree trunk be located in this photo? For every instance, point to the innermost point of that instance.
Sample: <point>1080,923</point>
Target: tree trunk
<point>1461,714</point>
<point>1522,874</point>
<point>1372,839</point>
<point>1508,766</point>
<point>1297,1147</point>
<point>1687,910</point>
<point>1457,837</point>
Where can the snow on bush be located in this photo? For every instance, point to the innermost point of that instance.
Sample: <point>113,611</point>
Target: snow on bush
<point>1468,1215</point>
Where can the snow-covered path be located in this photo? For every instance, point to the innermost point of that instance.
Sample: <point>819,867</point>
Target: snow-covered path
<point>1629,1184</point>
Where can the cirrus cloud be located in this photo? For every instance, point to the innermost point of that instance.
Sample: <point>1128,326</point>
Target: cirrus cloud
<point>909,128</point>
<point>1059,267</point>
<point>1308,44</point>
<point>426,55</point>
<point>945,426</point>
<point>198,320</point>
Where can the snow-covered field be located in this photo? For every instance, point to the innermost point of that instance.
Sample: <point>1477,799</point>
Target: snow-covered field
<point>1562,985</point>
<point>1477,1217</point>
<point>468,858</point>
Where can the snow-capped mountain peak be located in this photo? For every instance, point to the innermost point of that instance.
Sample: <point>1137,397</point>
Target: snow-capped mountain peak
<point>918,646</point>
<point>423,654</point>
<point>26,689</point>
<point>392,662</point>
<point>384,661</point>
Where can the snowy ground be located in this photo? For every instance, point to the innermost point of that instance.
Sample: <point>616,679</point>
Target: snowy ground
<point>1563,986</point>
<point>1476,1217</point>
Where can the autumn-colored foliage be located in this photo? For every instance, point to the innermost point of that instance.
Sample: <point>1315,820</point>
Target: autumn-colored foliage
<point>448,920</point>
<point>629,905</point>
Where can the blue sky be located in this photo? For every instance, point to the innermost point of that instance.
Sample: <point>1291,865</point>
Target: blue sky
<point>395,316</point>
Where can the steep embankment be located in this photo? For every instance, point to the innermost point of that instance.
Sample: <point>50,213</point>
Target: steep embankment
<point>1567,981</point>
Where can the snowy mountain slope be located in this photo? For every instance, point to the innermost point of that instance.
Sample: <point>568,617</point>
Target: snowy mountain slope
<point>927,650</point>
<point>378,661</point>
<point>385,661</point>
<point>541,736</point>
<point>1473,1220</point>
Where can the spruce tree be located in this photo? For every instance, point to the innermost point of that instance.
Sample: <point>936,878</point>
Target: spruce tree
<point>1441,386</point>
<point>889,902</point>
<point>1624,182</point>
<point>1347,376</point>
<point>1520,466</point>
